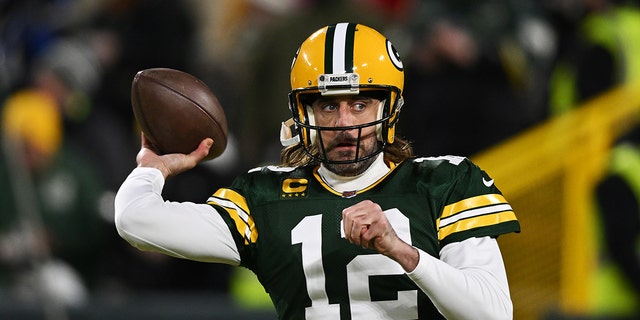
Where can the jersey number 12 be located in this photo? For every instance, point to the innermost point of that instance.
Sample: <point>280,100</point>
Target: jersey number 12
<point>309,233</point>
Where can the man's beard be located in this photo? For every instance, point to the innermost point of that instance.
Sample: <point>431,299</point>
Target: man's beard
<point>350,169</point>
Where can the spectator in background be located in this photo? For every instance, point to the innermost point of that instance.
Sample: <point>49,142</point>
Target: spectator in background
<point>84,65</point>
<point>70,70</point>
<point>474,65</point>
<point>51,233</point>
<point>28,28</point>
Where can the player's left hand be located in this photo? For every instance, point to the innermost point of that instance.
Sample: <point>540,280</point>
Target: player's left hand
<point>366,225</point>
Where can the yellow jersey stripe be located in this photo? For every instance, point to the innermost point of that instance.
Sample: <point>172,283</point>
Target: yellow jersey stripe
<point>232,196</point>
<point>477,212</point>
<point>476,222</point>
<point>474,212</point>
<point>236,207</point>
<point>470,203</point>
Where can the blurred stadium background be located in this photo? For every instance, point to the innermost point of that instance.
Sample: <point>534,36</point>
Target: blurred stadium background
<point>486,96</point>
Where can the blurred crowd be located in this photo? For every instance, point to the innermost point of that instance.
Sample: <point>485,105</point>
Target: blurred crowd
<point>477,73</point>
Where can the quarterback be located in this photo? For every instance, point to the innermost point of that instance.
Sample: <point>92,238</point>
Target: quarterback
<point>350,225</point>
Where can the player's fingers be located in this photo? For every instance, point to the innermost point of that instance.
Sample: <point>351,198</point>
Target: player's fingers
<point>348,218</point>
<point>355,233</point>
<point>356,223</point>
<point>364,240</point>
<point>175,163</point>
<point>373,232</point>
<point>190,160</point>
<point>202,150</point>
<point>347,224</point>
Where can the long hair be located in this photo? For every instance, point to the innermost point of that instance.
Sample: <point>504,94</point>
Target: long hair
<point>295,156</point>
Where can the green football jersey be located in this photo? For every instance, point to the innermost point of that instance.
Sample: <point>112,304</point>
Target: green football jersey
<point>287,226</point>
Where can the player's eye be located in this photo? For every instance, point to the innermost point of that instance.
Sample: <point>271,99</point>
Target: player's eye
<point>359,106</point>
<point>329,107</point>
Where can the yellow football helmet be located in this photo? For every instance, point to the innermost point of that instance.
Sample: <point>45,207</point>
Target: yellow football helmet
<point>346,58</point>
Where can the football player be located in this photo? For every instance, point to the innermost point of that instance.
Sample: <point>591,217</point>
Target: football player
<point>351,225</point>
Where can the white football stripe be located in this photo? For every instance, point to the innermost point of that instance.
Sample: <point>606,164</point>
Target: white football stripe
<point>339,39</point>
<point>230,205</point>
<point>474,213</point>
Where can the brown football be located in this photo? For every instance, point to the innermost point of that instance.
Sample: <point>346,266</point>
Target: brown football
<point>176,110</point>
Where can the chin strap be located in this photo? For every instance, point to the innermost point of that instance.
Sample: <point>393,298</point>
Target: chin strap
<point>289,133</point>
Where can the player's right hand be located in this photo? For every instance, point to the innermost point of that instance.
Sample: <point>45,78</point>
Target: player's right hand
<point>173,163</point>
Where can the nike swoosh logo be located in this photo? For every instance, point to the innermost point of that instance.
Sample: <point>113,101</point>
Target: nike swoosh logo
<point>487,183</point>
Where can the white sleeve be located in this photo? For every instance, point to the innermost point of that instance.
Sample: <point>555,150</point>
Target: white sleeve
<point>468,282</point>
<point>180,229</point>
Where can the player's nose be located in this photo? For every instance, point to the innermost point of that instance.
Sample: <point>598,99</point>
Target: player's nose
<point>345,116</point>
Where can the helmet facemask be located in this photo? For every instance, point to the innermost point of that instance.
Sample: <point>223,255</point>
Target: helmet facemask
<point>310,134</point>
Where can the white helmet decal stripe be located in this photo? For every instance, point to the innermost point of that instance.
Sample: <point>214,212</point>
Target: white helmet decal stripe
<point>339,48</point>
<point>339,41</point>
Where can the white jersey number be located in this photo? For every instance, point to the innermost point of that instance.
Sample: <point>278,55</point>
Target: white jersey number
<point>309,233</point>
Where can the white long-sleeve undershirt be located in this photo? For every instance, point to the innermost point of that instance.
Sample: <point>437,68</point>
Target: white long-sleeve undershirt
<point>467,282</point>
